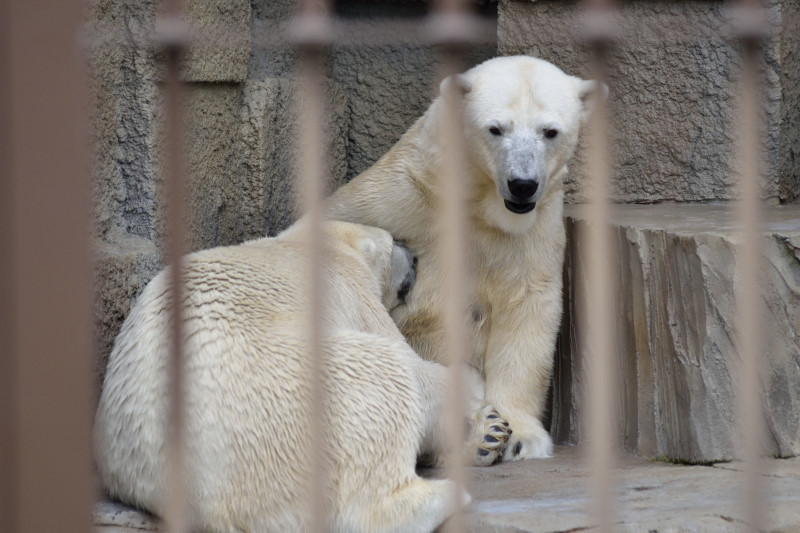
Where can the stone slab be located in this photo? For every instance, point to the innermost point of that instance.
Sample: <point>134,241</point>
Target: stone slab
<point>554,494</point>
<point>676,273</point>
<point>674,91</point>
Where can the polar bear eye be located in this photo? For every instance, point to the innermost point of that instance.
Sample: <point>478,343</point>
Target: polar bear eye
<point>494,130</point>
<point>550,133</point>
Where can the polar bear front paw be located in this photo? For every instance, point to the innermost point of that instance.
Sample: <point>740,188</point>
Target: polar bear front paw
<point>489,437</point>
<point>531,442</point>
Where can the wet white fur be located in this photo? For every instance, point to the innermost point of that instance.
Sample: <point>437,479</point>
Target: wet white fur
<point>517,258</point>
<point>248,433</point>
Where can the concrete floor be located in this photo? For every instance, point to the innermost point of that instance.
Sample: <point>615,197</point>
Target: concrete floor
<point>551,495</point>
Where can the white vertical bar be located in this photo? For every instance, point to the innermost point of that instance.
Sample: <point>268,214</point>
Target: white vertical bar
<point>452,237</point>
<point>453,223</point>
<point>598,324</point>
<point>312,173</point>
<point>751,26</point>
<point>172,36</point>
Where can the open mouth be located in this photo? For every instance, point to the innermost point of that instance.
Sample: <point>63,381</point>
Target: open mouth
<point>519,208</point>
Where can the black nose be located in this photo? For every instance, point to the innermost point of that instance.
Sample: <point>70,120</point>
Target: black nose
<point>522,189</point>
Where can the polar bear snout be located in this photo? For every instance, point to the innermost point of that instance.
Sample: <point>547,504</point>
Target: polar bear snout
<point>404,273</point>
<point>522,193</point>
<point>522,190</point>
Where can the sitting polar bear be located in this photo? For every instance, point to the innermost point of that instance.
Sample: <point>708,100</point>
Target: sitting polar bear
<point>247,384</point>
<point>521,118</point>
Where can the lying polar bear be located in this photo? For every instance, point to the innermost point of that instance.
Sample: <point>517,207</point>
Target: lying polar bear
<point>247,383</point>
<point>521,118</point>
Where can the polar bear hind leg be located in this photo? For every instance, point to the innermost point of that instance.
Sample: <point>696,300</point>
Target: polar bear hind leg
<point>421,505</point>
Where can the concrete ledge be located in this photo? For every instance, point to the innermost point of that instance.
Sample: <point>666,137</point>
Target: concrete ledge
<point>676,332</point>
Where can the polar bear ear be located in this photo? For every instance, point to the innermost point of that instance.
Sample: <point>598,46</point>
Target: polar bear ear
<point>456,81</point>
<point>590,92</point>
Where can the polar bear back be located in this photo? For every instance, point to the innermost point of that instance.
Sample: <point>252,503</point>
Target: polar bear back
<point>247,381</point>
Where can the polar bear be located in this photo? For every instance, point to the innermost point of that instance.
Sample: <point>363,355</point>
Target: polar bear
<point>521,119</point>
<point>248,387</point>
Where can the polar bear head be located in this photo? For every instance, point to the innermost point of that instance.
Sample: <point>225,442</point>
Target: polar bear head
<point>522,117</point>
<point>392,263</point>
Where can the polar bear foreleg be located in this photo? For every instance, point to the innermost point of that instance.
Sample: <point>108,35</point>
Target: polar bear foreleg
<point>486,431</point>
<point>518,366</point>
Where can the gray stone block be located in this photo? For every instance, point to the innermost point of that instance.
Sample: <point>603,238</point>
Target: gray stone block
<point>674,94</point>
<point>123,266</point>
<point>221,50</point>
<point>126,118</point>
<point>677,339</point>
<point>211,114</point>
<point>387,87</point>
<point>262,200</point>
<point>219,32</point>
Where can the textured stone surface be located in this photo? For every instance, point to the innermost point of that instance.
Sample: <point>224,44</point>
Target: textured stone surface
<point>222,50</point>
<point>677,341</point>
<point>220,32</point>
<point>210,134</point>
<point>789,156</point>
<point>262,199</point>
<point>554,494</point>
<point>127,118</point>
<point>387,87</point>
<point>128,147</point>
<point>127,157</point>
<point>108,514</point>
<point>124,263</point>
<point>673,94</point>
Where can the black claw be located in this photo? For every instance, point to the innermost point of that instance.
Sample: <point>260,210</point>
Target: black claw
<point>510,431</point>
<point>489,438</point>
<point>492,416</point>
<point>517,448</point>
<point>483,453</point>
<point>496,428</point>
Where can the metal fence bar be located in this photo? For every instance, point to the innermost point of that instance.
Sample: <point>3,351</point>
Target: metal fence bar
<point>8,370</point>
<point>50,344</point>
<point>751,26</point>
<point>447,27</point>
<point>598,322</point>
<point>311,30</point>
<point>172,37</point>
<point>631,29</point>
